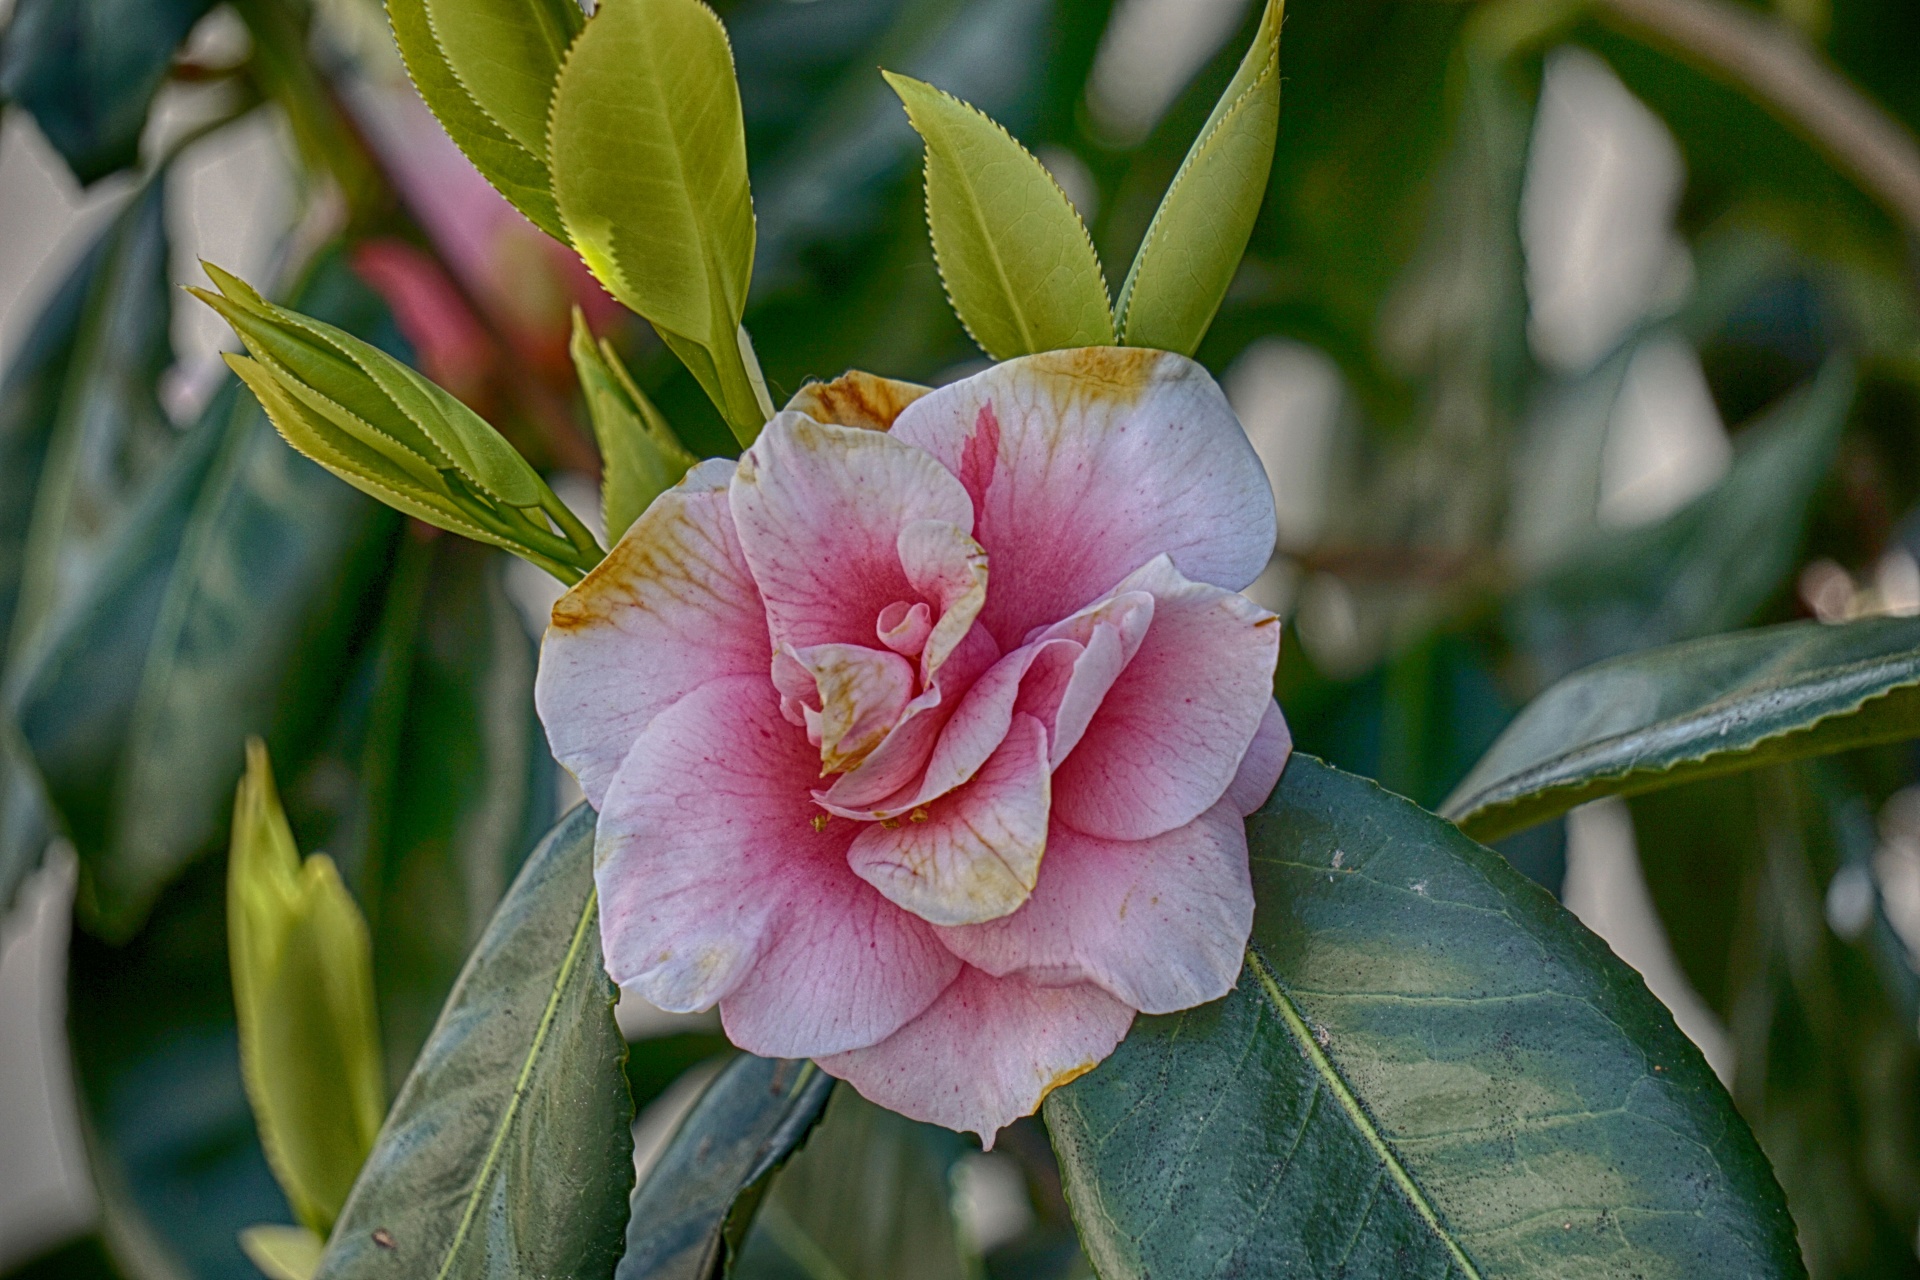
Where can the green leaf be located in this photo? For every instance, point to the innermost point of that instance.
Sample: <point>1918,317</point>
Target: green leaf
<point>87,70</point>
<point>303,995</point>
<point>1709,566</point>
<point>107,436</point>
<point>1193,246</point>
<point>1427,1068</point>
<point>455,781</point>
<point>649,159</point>
<point>1820,1023</point>
<point>394,435</point>
<point>640,457</point>
<point>519,173</point>
<point>508,1151</point>
<point>282,1253</point>
<point>506,55</point>
<point>242,568</point>
<point>689,1215</point>
<point>1015,257</point>
<point>1665,716</point>
<point>867,1198</point>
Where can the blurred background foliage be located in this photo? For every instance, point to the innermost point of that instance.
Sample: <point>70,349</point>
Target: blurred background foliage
<point>1568,329</point>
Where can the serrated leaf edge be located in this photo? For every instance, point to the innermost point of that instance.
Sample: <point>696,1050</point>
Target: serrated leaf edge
<point>1200,148</point>
<point>1000,270</point>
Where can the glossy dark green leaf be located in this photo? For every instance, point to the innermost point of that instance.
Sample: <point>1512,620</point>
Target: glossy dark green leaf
<point>508,1152</point>
<point>1428,1068</point>
<point>1706,568</point>
<point>1666,716</point>
<point>87,69</point>
<point>1820,1023</point>
<point>691,1212</point>
<point>868,1198</point>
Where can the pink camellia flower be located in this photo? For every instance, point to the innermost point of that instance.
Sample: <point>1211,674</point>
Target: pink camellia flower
<point>921,738</point>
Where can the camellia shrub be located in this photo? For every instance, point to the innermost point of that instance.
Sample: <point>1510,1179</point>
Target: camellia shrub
<point>927,741</point>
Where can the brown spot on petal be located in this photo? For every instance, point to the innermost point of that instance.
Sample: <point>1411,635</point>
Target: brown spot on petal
<point>1066,1077</point>
<point>856,399</point>
<point>1117,374</point>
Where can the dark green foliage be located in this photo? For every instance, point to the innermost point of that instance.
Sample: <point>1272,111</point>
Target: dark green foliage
<point>87,69</point>
<point>1428,1068</point>
<point>688,1217</point>
<point>508,1152</point>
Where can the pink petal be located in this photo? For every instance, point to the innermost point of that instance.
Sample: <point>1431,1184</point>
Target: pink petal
<point>901,758</point>
<point>987,1052</point>
<point>820,510</point>
<point>1172,731</point>
<point>715,884</point>
<point>973,854</point>
<point>1265,759</point>
<point>861,693</point>
<point>949,569</point>
<point>1086,464</point>
<point>1162,924</point>
<point>672,607</point>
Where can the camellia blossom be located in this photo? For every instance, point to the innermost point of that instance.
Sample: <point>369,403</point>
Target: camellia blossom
<point>922,737</point>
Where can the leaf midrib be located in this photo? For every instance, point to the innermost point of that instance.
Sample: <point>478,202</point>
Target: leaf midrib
<point>1564,772</point>
<point>1337,1086</point>
<point>547,1016</point>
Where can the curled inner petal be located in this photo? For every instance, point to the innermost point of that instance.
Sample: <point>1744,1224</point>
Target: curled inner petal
<point>904,628</point>
<point>860,694</point>
<point>950,568</point>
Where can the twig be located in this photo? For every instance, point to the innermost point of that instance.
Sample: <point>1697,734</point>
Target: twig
<point>1773,62</point>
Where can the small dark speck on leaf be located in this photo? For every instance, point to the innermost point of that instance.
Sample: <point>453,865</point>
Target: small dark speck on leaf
<point>384,1238</point>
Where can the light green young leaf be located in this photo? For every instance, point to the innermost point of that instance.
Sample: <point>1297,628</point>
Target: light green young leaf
<point>1016,260</point>
<point>303,997</point>
<point>1193,246</point>
<point>393,434</point>
<point>506,55</point>
<point>640,456</point>
<point>282,1253</point>
<point>649,158</point>
<point>516,172</point>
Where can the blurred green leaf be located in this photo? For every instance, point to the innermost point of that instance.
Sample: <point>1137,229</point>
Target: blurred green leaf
<point>303,996</point>
<point>506,54</point>
<point>1709,566</point>
<point>517,1111</point>
<point>1018,265</point>
<point>867,1198</point>
<point>649,162</point>
<point>237,581</point>
<point>1826,1063</point>
<point>640,457</point>
<point>282,1253</point>
<point>1428,1068</point>
<point>1194,244</point>
<point>519,173</point>
<point>106,435</point>
<point>690,1213</point>
<point>87,70</point>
